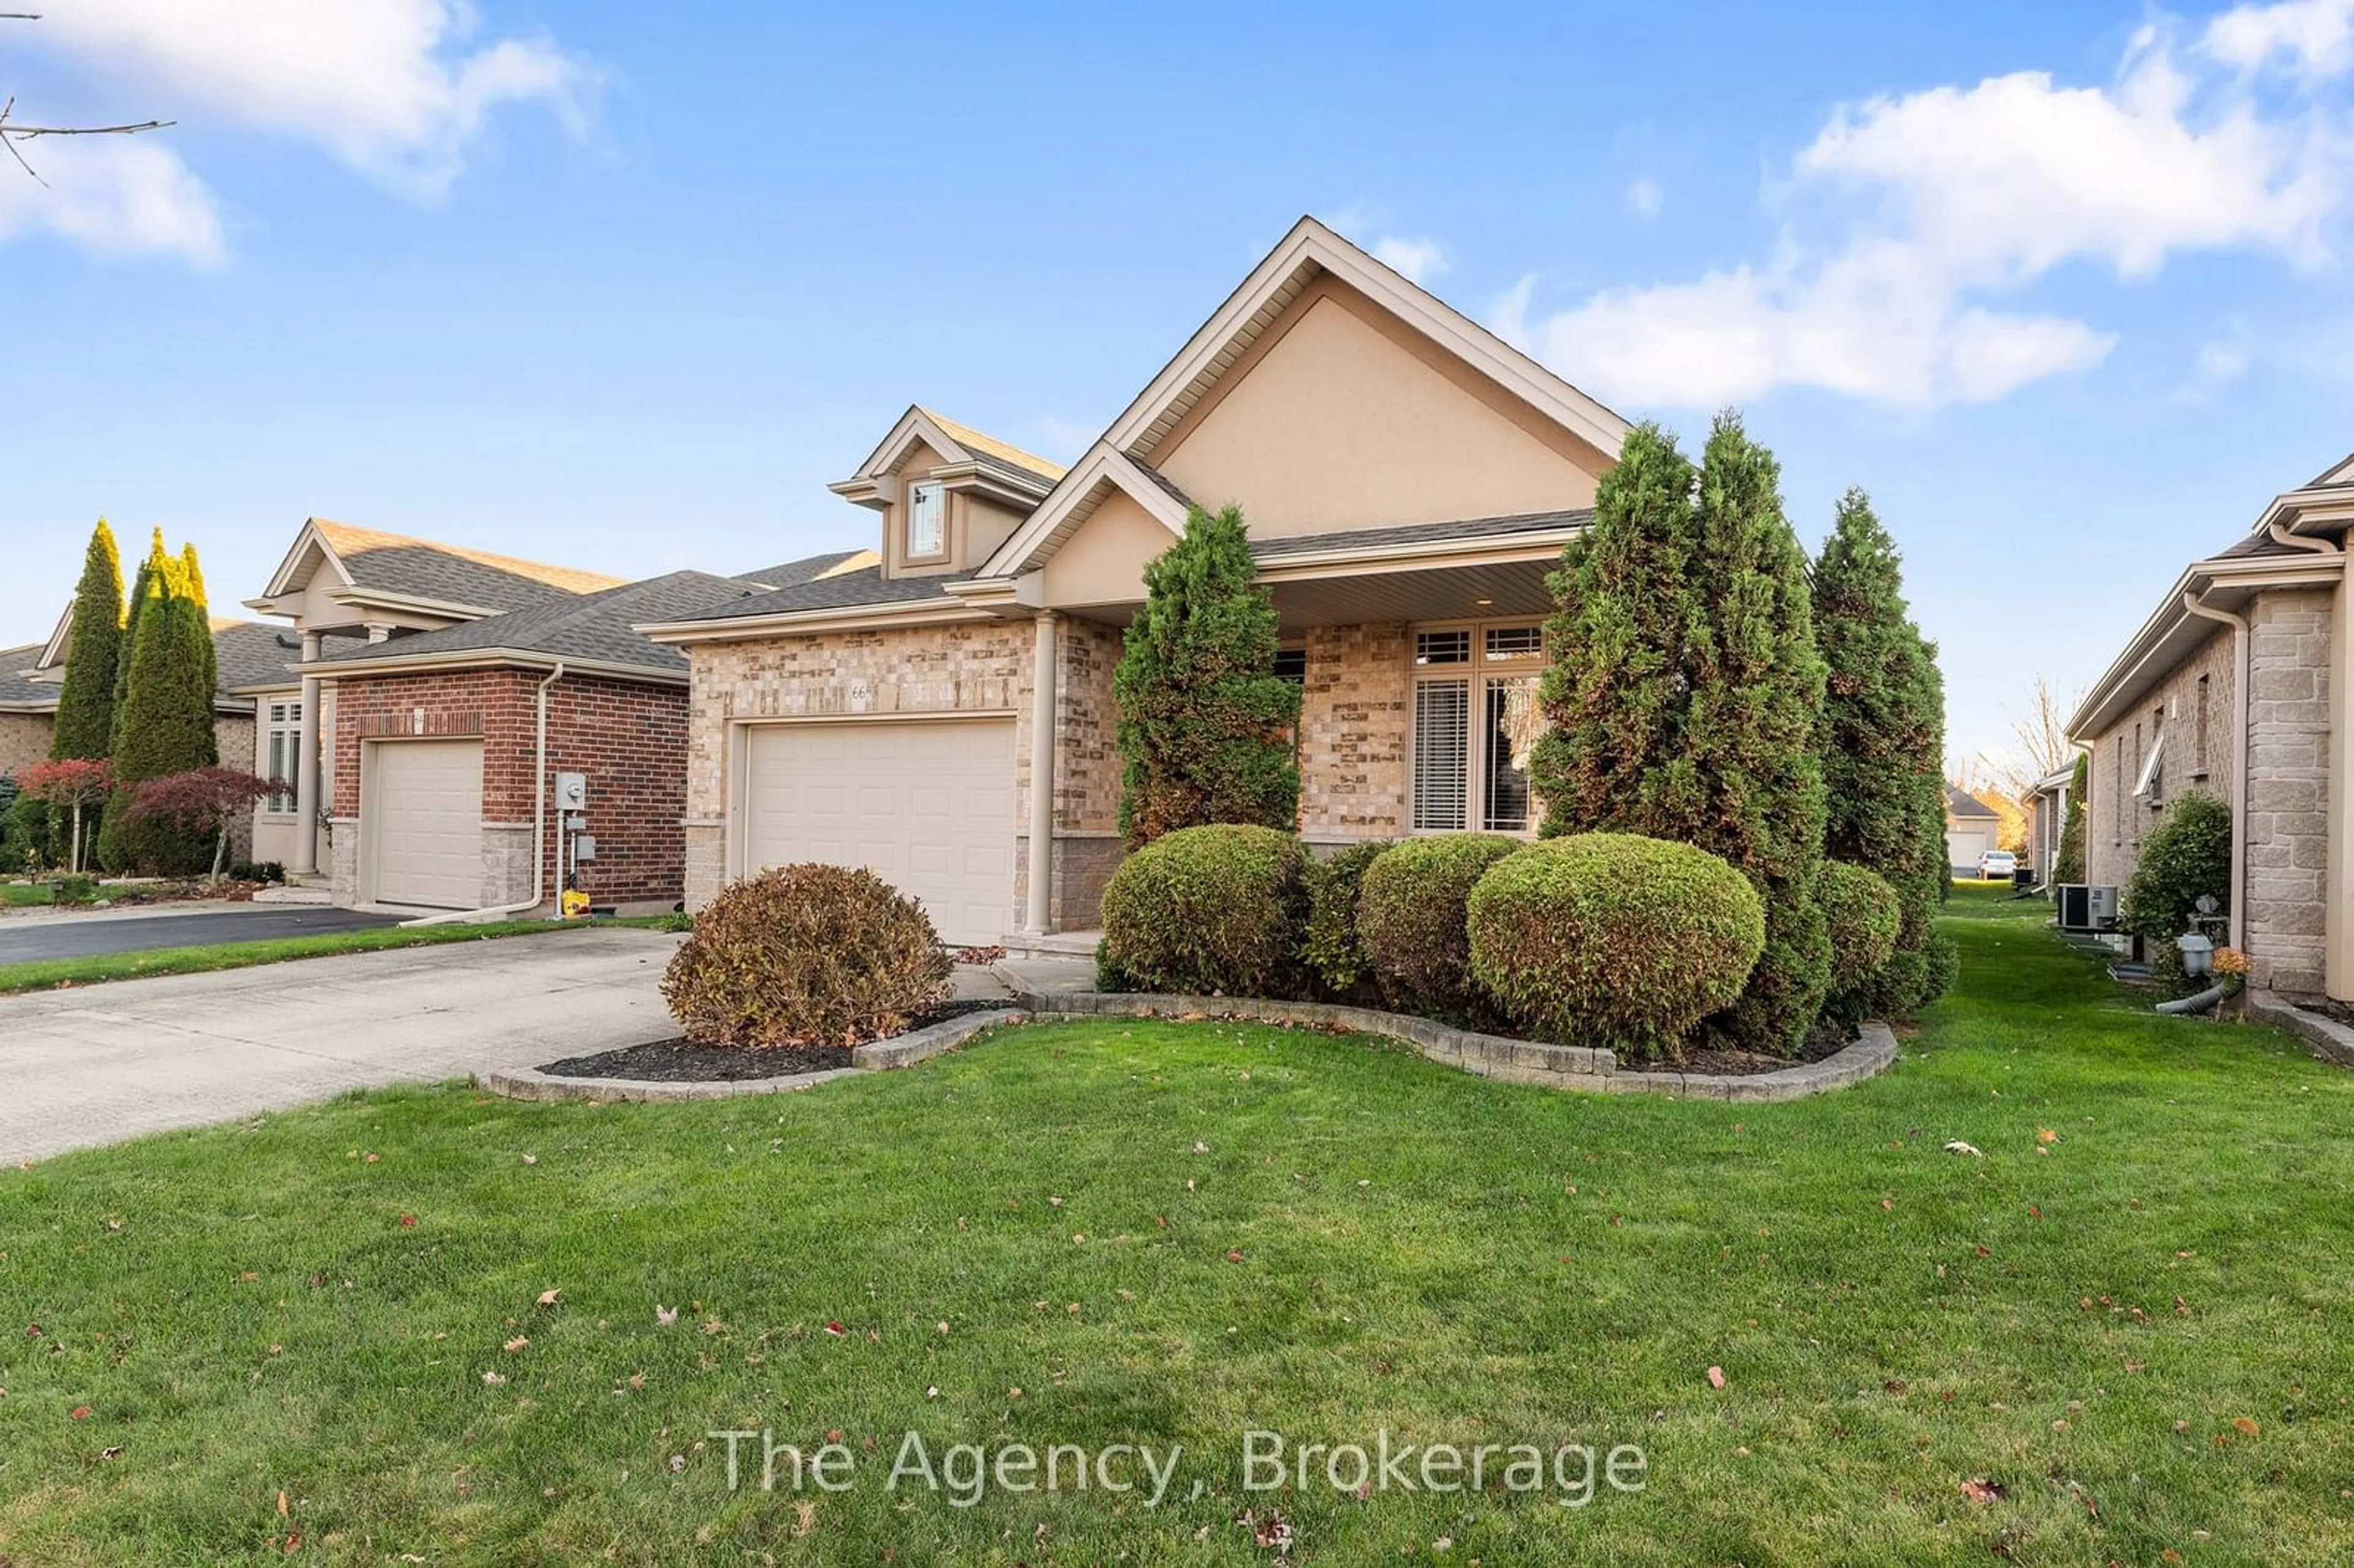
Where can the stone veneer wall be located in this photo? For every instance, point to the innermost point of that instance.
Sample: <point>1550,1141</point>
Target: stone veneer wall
<point>233,733</point>
<point>629,739</point>
<point>24,740</point>
<point>2286,921</point>
<point>1353,719</point>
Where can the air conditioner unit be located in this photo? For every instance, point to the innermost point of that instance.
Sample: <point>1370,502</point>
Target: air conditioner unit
<point>2087,908</point>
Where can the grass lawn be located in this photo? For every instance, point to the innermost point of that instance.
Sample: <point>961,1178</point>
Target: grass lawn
<point>2131,1314</point>
<point>27,895</point>
<point>44,974</point>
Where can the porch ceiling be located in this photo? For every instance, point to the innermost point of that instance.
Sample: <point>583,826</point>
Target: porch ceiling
<point>1490,592</point>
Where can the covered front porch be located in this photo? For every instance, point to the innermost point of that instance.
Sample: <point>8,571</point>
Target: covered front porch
<point>1417,651</point>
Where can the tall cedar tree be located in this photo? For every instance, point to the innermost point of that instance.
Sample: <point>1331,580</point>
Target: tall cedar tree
<point>194,578</point>
<point>1205,722</point>
<point>165,722</point>
<point>139,586</point>
<point>2068,865</point>
<point>1883,746</point>
<point>1685,694</point>
<point>85,726</point>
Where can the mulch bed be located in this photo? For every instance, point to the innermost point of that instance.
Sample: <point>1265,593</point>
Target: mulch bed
<point>684,1061</point>
<point>1821,1045</point>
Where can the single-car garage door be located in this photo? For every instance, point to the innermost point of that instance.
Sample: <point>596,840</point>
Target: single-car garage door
<point>925,804</point>
<point>422,823</point>
<point>1963,845</point>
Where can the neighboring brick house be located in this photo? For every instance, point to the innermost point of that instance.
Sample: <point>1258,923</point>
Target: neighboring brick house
<point>2235,686</point>
<point>441,746</point>
<point>1408,479</point>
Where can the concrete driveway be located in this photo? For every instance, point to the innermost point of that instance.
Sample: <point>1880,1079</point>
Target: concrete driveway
<point>107,1062</point>
<point>75,934</point>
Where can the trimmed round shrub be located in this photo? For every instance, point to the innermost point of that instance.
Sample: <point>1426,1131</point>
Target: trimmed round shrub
<point>1864,914</point>
<point>1614,939</point>
<point>1410,917</point>
<point>806,955</point>
<point>1208,911</point>
<point>1330,948</point>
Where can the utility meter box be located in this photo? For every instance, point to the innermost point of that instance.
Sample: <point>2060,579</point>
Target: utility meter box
<point>572,791</point>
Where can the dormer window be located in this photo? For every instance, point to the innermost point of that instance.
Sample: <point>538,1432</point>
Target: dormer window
<point>928,534</point>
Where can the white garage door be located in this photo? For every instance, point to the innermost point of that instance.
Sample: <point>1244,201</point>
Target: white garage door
<point>1963,845</point>
<point>423,822</point>
<point>926,805</point>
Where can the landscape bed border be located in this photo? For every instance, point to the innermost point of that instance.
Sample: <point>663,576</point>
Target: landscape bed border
<point>1575,1067</point>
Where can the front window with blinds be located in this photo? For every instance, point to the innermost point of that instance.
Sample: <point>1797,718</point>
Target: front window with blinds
<point>284,747</point>
<point>1474,726</point>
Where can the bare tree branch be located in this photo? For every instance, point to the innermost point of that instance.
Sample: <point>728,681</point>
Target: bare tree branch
<point>12,134</point>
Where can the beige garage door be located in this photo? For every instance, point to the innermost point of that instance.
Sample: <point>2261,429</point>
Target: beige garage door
<point>422,823</point>
<point>926,805</point>
<point>1963,845</point>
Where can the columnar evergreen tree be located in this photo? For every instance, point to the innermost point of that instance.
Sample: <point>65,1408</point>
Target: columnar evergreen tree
<point>194,577</point>
<point>140,585</point>
<point>85,723</point>
<point>165,724</point>
<point>1883,743</point>
<point>2068,865</point>
<point>1685,695</point>
<point>1205,722</point>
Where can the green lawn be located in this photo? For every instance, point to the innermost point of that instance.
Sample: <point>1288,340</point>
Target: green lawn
<point>2131,1314</point>
<point>44,974</point>
<point>27,895</point>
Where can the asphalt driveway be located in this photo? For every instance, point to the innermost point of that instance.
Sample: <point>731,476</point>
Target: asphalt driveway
<point>102,1063</point>
<point>79,936</point>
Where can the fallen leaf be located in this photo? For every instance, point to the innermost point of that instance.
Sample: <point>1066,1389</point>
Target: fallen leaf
<point>2247,1424</point>
<point>282,1504</point>
<point>1234,1256</point>
<point>79,1413</point>
<point>531,1160</point>
<point>1716,1377</point>
<point>493,1379</point>
<point>1956,1146</point>
<point>835,1329</point>
<point>547,1298</point>
<point>2045,1135</point>
<point>666,1315</point>
<point>408,1219</point>
<point>113,1453</point>
<point>1984,1491</point>
<point>516,1344</point>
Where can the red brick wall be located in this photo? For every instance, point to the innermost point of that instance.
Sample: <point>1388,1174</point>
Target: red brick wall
<point>630,739</point>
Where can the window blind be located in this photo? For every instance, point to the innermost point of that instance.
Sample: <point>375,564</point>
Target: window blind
<point>1442,755</point>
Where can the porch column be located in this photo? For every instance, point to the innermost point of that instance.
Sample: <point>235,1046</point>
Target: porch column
<point>1042,726</point>
<point>306,772</point>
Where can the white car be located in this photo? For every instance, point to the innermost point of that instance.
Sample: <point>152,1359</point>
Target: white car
<point>1996,865</point>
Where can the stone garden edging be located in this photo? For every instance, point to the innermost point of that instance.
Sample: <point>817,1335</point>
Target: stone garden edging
<point>2331,1041</point>
<point>1492,1055</point>
<point>877,1056</point>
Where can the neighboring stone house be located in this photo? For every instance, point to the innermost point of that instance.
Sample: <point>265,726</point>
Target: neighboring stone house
<point>247,652</point>
<point>2047,818</point>
<point>445,688</point>
<point>945,715</point>
<point>2235,686</point>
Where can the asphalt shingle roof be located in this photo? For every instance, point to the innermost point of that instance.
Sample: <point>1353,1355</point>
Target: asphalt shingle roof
<point>419,568</point>
<point>843,590</point>
<point>16,689</point>
<point>257,653</point>
<point>1960,802</point>
<point>587,626</point>
<point>1420,533</point>
<point>792,573</point>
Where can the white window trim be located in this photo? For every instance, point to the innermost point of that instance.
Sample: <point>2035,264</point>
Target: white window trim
<point>282,715</point>
<point>1477,671</point>
<point>2143,787</point>
<point>939,551</point>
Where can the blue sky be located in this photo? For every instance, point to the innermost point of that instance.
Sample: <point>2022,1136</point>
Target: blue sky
<point>2063,287</point>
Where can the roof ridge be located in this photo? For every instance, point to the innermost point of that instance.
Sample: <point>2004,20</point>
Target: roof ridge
<point>547,573</point>
<point>965,435</point>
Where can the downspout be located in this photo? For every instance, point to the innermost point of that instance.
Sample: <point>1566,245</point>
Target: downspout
<point>539,829</point>
<point>2239,803</point>
<point>2281,535</point>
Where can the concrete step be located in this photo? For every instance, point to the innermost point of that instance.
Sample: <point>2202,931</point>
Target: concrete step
<point>293,894</point>
<point>1052,945</point>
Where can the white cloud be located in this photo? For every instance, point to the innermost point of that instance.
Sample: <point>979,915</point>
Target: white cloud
<point>1418,260</point>
<point>1508,314</point>
<point>2317,34</point>
<point>397,89</point>
<point>1935,201</point>
<point>1644,197</point>
<point>2218,363</point>
<point>1065,438</point>
<point>114,196</point>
